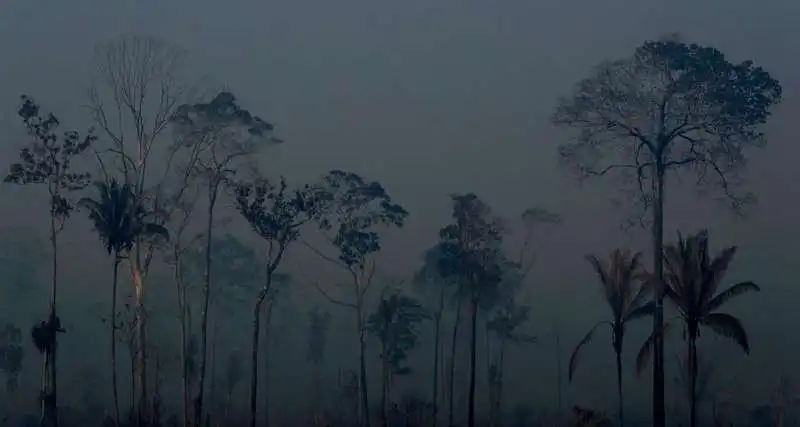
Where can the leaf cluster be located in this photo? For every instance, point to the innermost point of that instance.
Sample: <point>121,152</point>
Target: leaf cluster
<point>394,323</point>
<point>48,157</point>
<point>353,208</point>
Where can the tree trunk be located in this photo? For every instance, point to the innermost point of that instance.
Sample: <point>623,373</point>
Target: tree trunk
<point>198,404</point>
<point>472,359</point>
<point>693,379</point>
<point>141,353</point>
<point>452,378</point>
<point>618,351</point>
<point>182,319</point>
<point>659,414</point>
<point>384,385</point>
<point>113,322</point>
<point>49,386</point>
<point>266,357</point>
<point>254,355</point>
<point>436,350</point>
<point>212,392</point>
<point>500,364</point>
<point>362,364</point>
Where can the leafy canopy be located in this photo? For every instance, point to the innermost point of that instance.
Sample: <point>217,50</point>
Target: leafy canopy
<point>670,105</point>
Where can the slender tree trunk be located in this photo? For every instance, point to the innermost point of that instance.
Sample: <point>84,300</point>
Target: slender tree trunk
<point>452,378</point>
<point>472,359</point>
<point>113,322</point>
<point>266,357</point>
<point>198,404</point>
<point>52,394</point>
<point>141,353</point>
<point>436,351</point>
<point>182,320</point>
<point>693,379</point>
<point>659,413</point>
<point>213,389</point>
<point>500,370</point>
<point>384,385</point>
<point>362,364</point>
<point>254,356</point>
<point>621,413</point>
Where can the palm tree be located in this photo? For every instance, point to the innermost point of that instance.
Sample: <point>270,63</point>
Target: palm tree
<point>691,281</point>
<point>626,298</point>
<point>118,220</point>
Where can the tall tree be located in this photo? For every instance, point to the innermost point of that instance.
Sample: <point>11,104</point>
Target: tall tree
<point>118,220</point>
<point>627,299</point>
<point>351,212</point>
<point>473,244</point>
<point>139,85</point>
<point>669,107</point>
<point>276,213</point>
<point>505,322</point>
<point>394,323</point>
<point>47,160</point>
<point>430,282</point>
<point>691,283</point>
<point>228,135</point>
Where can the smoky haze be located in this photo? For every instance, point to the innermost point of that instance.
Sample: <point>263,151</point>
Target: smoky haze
<point>429,98</point>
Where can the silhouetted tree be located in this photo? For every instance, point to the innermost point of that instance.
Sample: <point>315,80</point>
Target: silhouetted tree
<point>394,324</point>
<point>620,278</point>
<point>227,134</point>
<point>430,281</point>
<point>473,244</point>
<point>671,106</point>
<point>138,86</point>
<point>505,323</point>
<point>47,160</point>
<point>118,220</point>
<point>351,211</point>
<point>276,213</point>
<point>691,282</point>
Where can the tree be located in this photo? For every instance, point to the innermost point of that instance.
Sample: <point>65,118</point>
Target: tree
<point>670,107</point>
<point>319,323</point>
<point>394,324</point>
<point>428,279</point>
<point>227,134</point>
<point>138,88</point>
<point>505,322</point>
<point>619,278</point>
<point>47,160</point>
<point>276,213</point>
<point>351,211</point>
<point>118,220</point>
<point>473,244</point>
<point>691,283</point>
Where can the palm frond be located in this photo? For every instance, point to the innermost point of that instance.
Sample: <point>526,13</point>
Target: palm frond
<point>729,327</point>
<point>646,351</point>
<point>573,359</point>
<point>724,296</point>
<point>716,271</point>
<point>152,229</point>
<point>641,311</point>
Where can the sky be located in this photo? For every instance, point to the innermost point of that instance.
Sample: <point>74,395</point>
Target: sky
<point>434,97</point>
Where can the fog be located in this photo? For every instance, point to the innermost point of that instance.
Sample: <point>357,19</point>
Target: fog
<point>429,98</point>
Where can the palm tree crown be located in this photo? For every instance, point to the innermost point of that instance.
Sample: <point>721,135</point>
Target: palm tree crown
<point>626,297</point>
<point>118,218</point>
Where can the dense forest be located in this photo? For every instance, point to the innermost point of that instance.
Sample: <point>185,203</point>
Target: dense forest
<point>208,283</point>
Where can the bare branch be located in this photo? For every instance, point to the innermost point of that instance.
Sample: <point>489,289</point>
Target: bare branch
<point>331,299</point>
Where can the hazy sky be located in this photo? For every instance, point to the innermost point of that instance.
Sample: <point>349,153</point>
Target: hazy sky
<point>436,96</point>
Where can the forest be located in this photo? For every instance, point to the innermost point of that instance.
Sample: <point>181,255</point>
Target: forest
<point>216,267</point>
